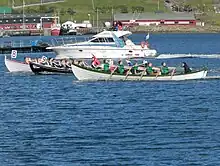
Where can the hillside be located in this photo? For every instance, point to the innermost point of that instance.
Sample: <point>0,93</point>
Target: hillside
<point>79,9</point>
<point>87,10</point>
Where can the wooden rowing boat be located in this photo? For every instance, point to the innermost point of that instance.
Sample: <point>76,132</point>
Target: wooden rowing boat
<point>87,73</point>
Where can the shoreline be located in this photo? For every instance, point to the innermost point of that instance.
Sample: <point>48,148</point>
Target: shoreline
<point>175,29</point>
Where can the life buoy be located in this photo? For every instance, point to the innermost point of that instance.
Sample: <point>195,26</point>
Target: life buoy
<point>142,44</point>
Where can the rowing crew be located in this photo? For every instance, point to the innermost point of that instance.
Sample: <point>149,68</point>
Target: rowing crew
<point>136,68</point>
<point>58,63</point>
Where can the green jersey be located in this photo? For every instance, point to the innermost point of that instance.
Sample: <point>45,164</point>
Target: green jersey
<point>135,67</point>
<point>106,67</point>
<point>164,70</point>
<point>149,70</point>
<point>121,69</point>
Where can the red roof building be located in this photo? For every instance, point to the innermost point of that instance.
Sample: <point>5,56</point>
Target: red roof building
<point>147,19</point>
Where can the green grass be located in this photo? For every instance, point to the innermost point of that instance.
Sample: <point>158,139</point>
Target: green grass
<point>85,7</point>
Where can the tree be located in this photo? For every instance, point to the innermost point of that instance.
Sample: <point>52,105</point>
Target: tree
<point>71,12</point>
<point>43,9</point>
<point>51,9</point>
<point>123,9</point>
<point>62,12</point>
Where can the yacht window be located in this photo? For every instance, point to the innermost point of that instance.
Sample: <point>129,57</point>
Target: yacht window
<point>97,40</point>
<point>102,40</point>
<point>109,39</point>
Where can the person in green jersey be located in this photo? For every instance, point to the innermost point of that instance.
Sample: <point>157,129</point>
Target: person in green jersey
<point>106,66</point>
<point>149,69</point>
<point>164,69</point>
<point>134,68</point>
<point>121,68</point>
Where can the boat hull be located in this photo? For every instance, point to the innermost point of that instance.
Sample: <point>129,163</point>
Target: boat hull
<point>88,74</point>
<point>15,66</point>
<point>80,52</point>
<point>45,69</point>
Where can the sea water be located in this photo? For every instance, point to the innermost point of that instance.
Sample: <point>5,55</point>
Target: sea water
<point>56,120</point>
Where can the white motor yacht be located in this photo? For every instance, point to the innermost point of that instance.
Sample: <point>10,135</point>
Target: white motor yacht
<point>107,44</point>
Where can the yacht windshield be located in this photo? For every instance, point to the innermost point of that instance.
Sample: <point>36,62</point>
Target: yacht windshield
<point>119,42</point>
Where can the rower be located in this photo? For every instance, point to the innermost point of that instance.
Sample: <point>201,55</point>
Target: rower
<point>106,65</point>
<point>27,60</point>
<point>152,70</point>
<point>121,68</point>
<point>164,69</point>
<point>134,68</point>
<point>95,62</point>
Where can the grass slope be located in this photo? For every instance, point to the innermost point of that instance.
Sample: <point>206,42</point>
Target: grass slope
<point>85,7</point>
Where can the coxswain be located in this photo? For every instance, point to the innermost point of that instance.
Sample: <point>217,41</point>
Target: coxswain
<point>186,68</point>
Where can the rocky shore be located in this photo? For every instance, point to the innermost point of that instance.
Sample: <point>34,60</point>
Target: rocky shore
<point>176,29</point>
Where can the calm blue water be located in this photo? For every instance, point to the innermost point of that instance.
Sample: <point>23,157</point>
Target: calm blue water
<point>54,120</point>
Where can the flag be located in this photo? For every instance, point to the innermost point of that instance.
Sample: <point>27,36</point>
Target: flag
<point>14,53</point>
<point>147,36</point>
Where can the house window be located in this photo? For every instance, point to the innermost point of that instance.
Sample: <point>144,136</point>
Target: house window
<point>191,22</point>
<point>176,22</point>
<point>162,22</point>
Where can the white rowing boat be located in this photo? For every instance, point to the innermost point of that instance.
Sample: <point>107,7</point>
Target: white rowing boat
<point>15,66</point>
<point>86,73</point>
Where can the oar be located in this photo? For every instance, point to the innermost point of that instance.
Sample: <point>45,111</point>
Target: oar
<point>172,74</point>
<point>128,73</point>
<point>157,74</point>
<point>112,73</point>
<point>142,74</point>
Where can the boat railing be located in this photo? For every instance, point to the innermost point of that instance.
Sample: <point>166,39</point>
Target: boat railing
<point>58,41</point>
<point>66,41</point>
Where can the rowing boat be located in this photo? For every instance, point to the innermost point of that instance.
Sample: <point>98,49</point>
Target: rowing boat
<point>38,68</point>
<point>87,73</point>
<point>16,66</point>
